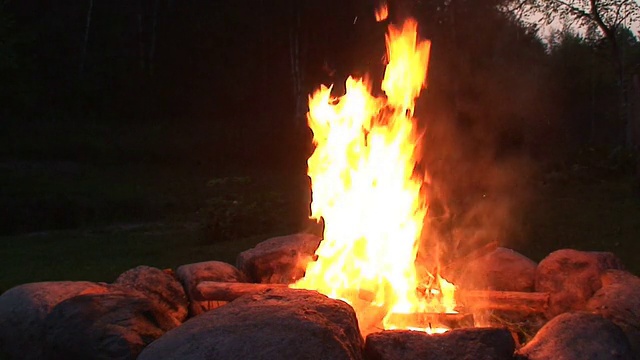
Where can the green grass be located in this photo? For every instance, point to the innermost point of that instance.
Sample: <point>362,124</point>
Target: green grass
<point>103,255</point>
<point>601,215</point>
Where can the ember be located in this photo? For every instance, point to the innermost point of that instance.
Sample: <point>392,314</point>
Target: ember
<point>365,188</point>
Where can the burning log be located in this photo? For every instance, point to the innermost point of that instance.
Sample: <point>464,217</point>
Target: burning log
<point>521,302</point>
<point>227,291</point>
<point>512,301</point>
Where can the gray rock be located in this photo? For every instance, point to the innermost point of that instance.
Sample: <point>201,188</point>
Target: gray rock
<point>159,286</point>
<point>502,269</point>
<point>279,260</point>
<point>459,344</point>
<point>571,277</point>
<point>191,275</point>
<point>277,324</point>
<point>578,336</point>
<point>23,310</point>
<point>619,301</point>
<point>114,325</point>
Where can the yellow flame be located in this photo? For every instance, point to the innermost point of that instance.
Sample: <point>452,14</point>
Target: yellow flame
<point>365,188</point>
<point>382,12</point>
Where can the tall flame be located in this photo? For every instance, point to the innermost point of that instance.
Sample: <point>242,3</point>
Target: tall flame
<point>382,12</point>
<point>366,189</point>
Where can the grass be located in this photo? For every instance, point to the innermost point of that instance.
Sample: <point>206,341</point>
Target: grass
<point>601,215</point>
<point>89,201</point>
<point>103,255</point>
<point>93,215</point>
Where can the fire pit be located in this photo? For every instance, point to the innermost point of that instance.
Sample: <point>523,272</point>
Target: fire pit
<point>213,310</point>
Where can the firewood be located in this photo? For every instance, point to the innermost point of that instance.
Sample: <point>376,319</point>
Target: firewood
<point>524,302</point>
<point>513,301</point>
<point>229,291</point>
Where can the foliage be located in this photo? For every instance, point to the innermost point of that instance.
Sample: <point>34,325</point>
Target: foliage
<point>16,87</point>
<point>588,88</point>
<point>611,14</point>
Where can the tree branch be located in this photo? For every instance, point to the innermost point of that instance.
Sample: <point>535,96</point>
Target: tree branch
<point>608,31</point>
<point>580,13</point>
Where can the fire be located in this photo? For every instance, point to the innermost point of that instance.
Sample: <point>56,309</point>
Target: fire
<point>382,12</point>
<point>365,187</point>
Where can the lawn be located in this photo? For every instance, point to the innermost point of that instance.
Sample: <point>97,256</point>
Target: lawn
<point>600,215</point>
<point>88,219</point>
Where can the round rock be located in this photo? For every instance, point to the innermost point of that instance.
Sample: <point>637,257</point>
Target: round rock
<point>279,260</point>
<point>459,344</point>
<point>571,277</point>
<point>159,286</point>
<point>277,324</point>
<point>503,269</point>
<point>191,275</point>
<point>619,301</point>
<point>23,310</point>
<point>578,336</point>
<point>114,325</point>
<point>619,277</point>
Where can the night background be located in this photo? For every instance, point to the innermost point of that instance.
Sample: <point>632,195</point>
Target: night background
<point>161,132</point>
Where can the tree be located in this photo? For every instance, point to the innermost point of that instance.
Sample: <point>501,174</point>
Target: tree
<point>16,86</point>
<point>85,42</point>
<point>609,16</point>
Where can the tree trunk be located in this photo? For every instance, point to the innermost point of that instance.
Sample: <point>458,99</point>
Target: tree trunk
<point>87,30</point>
<point>154,37</point>
<point>141,54</point>
<point>635,126</point>
<point>296,74</point>
<point>610,34</point>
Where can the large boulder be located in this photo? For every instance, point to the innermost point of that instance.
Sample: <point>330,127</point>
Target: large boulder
<point>191,275</point>
<point>578,336</point>
<point>571,277</point>
<point>619,301</point>
<point>159,286</point>
<point>276,324</point>
<point>619,277</point>
<point>460,344</point>
<point>502,269</point>
<point>23,310</point>
<point>280,260</point>
<point>114,325</point>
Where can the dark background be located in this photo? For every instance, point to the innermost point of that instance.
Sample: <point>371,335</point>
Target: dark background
<point>164,131</point>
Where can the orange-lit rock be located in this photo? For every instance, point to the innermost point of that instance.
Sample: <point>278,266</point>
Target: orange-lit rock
<point>159,286</point>
<point>571,277</point>
<point>578,335</point>
<point>191,275</point>
<point>23,310</point>
<point>274,325</point>
<point>113,325</point>
<point>279,260</point>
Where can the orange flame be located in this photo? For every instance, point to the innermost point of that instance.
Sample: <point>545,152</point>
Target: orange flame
<point>364,187</point>
<point>382,13</point>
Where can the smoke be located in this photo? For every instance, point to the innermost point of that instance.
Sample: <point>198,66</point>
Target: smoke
<point>480,184</point>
